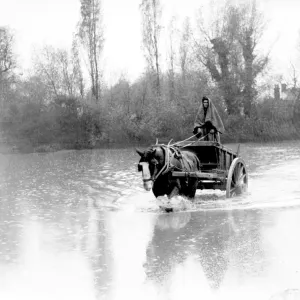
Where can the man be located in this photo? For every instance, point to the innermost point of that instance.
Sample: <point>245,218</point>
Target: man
<point>208,123</point>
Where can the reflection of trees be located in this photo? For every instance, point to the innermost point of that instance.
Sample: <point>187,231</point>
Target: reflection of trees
<point>218,238</point>
<point>84,229</point>
<point>129,235</point>
<point>63,229</point>
<point>246,245</point>
<point>10,230</point>
<point>95,247</point>
<point>212,245</point>
<point>51,188</point>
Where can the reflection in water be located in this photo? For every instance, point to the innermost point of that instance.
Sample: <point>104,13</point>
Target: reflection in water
<point>283,247</point>
<point>172,268</point>
<point>277,187</point>
<point>56,230</point>
<point>130,234</point>
<point>290,294</point>
<point>11,229</point>
<point>187,281</point>
<point>173,221</point>
<point>43,272</point>
<point>95,247</point>
<point>217,240</point>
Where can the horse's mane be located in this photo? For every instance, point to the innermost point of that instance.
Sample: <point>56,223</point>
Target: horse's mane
<point>150,150</point>
<point>187,158</point>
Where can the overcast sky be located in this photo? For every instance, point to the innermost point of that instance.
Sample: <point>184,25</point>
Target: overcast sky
<point>39,22</point>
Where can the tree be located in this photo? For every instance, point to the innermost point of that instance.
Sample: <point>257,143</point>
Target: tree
<point>33,90</point>
<point>171,59</point>
<point>184,48</point>
<point>229,52</point>
<point>77,70</point>
<point>67,75</point>
<point>294,76</point>
<point>7,66</point>
<point>92,40</point>
<point>60,71</point>
<point>47,67</point>
<point>7,58</point>
<point>250,30</point>
<point>217,51</point>
<point>151,15</point>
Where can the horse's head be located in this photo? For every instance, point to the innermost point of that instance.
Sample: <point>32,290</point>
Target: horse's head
<point>151,162</point>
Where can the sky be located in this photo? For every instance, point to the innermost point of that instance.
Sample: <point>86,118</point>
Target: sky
<point>40,22</point>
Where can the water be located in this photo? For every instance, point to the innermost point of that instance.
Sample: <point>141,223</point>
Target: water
<point>78,225</point>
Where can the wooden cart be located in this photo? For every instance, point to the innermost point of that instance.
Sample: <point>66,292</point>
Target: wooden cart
<point>221,168</point>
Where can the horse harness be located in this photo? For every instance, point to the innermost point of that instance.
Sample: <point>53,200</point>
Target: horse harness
<point>170,153</point>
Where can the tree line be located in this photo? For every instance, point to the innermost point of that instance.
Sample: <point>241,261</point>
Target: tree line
<point>65,104</point>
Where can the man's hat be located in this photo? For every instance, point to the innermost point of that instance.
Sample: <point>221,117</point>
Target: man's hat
<point>204,98</point>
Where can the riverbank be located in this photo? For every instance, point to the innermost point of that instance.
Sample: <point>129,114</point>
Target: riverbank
<point>47,148</point>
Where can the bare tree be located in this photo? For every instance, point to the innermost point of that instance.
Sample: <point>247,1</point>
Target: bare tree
<point>92,40</point>
<point>7,65</point>
<point>294,76</point>
<point>77,69</point>
<point>151,15</point>
<point>172,58</point>
<point>59,71</point>
<point>7,58</point>
<point>67,75</point>
<point>47,68</point>
<point>185,47</point>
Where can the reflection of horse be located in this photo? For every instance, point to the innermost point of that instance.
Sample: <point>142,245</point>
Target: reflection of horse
<point>157,163</point>
<point>173,221</point>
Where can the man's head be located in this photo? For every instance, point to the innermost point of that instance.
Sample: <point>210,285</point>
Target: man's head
<point>205,102</point>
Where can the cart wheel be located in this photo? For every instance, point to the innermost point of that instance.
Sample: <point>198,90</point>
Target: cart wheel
<point>237,178</point>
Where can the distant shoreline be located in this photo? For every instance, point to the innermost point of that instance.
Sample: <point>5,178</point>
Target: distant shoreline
<point>25,149</point>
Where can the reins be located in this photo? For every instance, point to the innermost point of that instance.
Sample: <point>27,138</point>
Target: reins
<point>167,164</point>
<point>193,142</point>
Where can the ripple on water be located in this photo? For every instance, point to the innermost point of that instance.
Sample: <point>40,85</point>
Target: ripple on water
<point>289,294</point>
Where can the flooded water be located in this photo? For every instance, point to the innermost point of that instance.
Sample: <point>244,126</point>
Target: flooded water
<point>78,225</point>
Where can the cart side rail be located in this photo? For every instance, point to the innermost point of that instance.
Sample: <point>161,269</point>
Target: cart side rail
<point>201,175</point>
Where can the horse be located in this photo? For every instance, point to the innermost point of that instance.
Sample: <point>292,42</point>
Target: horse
<point>157,163</point>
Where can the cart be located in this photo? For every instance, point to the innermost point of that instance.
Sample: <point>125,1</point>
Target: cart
<point>221,168</point>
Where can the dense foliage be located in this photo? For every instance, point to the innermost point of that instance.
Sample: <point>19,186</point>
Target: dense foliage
<point>131,114</point>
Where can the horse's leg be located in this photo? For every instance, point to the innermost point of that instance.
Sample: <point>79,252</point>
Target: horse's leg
<point>193,189</point>
<point>160,188</point>
<point>158,191</point>
<point>174,192</point>
<point>190,189</point>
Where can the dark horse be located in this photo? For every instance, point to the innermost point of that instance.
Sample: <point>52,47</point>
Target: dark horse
<point>157,163</point>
